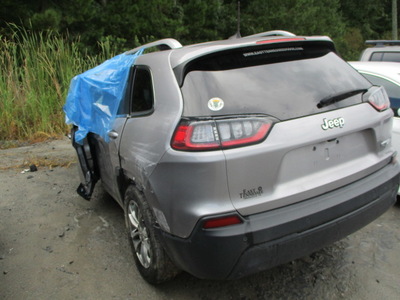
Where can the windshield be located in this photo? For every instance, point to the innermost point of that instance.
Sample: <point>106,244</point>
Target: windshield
<point>289,88</point>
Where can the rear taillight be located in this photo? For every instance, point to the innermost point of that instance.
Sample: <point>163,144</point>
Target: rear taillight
<point>216,134</point>
<point>379,99</point>
<point>195,136</point>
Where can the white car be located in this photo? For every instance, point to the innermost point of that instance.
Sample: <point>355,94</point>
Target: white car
<point>386,74</point>
<point>382,50</point>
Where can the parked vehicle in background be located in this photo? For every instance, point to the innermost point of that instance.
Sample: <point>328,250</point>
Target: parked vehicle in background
<point>386,74</point>
<point>234,156</point>
<point>383,50</point>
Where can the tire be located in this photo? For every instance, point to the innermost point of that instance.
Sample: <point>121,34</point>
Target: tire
<point>151,260</point>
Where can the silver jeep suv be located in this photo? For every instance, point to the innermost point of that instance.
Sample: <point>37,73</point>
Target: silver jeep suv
<point>234,156</point>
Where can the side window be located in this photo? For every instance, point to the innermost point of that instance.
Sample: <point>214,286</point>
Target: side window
<point>385,56</point>
<point>391,56</point>
<point>376,56</point>
<point>142,94</point>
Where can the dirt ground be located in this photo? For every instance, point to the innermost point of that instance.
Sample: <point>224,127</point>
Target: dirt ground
<point>55,245</point>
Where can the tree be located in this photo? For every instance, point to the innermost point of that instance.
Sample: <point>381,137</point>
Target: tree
<point>366,19</point>
<point>128,23</point>
<point>202,20</point>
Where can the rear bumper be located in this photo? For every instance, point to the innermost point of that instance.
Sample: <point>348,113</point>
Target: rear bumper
<point>275,237</point>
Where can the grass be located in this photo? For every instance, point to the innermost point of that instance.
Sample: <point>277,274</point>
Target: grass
<point>36,70</point>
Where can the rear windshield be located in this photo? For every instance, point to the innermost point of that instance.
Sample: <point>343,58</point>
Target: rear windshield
<point>283,82</point>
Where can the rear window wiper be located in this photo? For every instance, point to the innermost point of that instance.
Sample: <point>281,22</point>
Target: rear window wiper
<point>339,97</point>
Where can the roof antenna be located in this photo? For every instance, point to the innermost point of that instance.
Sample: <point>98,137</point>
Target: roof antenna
<point>238,21</point>
<point>237,35</point>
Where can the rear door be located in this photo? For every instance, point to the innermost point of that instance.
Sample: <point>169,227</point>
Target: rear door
<point>108,158</point>
<point>139,141</point>
<point>138,102</point>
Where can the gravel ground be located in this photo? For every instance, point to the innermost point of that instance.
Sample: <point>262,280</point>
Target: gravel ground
<point>55,245</point>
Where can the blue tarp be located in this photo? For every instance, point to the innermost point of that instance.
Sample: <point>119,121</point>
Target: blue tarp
<point>94,96</point>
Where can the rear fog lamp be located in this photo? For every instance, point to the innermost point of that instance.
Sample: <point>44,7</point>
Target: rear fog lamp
<point>222,222</point>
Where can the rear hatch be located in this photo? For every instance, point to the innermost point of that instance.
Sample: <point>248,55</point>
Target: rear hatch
<point>320,133</point>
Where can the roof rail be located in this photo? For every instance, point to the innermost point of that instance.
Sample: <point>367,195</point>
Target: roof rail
<point>164,44</point>
<point>271,33</point>
<point>381,43</point>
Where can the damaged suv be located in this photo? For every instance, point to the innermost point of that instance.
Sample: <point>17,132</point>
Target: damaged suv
<point>234,156</point>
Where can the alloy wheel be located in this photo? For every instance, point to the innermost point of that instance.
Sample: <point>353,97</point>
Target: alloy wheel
<point>139,234</point>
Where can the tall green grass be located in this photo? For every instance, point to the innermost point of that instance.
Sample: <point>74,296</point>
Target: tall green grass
<point>36,70</point>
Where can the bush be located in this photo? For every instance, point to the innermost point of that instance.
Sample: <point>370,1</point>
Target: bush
<point>36,71</point>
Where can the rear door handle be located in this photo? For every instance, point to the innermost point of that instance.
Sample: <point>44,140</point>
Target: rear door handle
<point>112,134</point>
